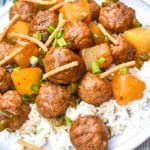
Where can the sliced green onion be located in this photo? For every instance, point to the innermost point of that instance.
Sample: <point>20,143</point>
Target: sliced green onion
<point>101,60</point>
<point>61,42</point>
<point>34,88</point>
<point>73,87</point>
<point>123,71</point>
<point>42,81</point>
<point>39,130</point>
<point>27,98</point>
<point>14,1</point>
<point>59,34</point>
<point>68,121</point>
<point>37,35</point>
<point>50,28</point>
<point>16,69</point>
<point>95,67</point>
<point>55,44</point>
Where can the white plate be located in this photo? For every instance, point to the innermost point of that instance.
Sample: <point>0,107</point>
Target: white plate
<point>131,138</point>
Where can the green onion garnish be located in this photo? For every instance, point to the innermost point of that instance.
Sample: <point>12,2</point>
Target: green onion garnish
<point>50,28</point>
<point>16,69</point>
<point>101,60</point>
<point>123,71</point>
<point>42,81</point>
<point>95,67</point>
<point>68,121</point>
<point>27,98</point>
<point>14,1</point>
<point>59,34</point>
<point>61,42</point>
<point>37,35</point>
<point>34,88</point>
<point>39,130</point>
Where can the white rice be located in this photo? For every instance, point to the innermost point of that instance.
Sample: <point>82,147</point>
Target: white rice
<point>41,132</point>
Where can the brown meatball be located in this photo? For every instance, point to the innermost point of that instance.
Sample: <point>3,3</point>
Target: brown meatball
<point>116,17</point>
<point>41,21</point>
<point>25,10</point>
<point>94,8</point>
<point>78,35</point>
<point>61,56</point>
<point>10,100</point>
<point>17,120</point>
<point>17,112</point>
<point>122,52</point>
<point>89,133</point>
<point>52,100</point>
<point>4,49</point>
<point>94,90</point>
<point>5,80</point>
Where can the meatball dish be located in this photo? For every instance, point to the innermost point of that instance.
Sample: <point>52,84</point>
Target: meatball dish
<point>63,65</point>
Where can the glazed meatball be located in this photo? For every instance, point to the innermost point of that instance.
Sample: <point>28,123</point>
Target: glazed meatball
<point>78,35</point>
<point>4,49</point>
<point>25,10</point>
<point>122,52</point>
<point>89,133</point>
<point>17,112</point>
<point>94,9</point>
<point>116,17</point>
<point>94,90</point>
<point>5,80</point>
<point>52,100</point>
<point>57,57</point>
<point>41,21</point>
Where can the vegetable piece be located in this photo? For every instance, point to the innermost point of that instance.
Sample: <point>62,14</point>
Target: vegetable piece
<point>50,28</point>
<point>140,38</point>
<point>23,58</point>
<point>25,78</point>
<point>127,88</point>
<point>123,71</point>
<point>77,11</point>
<point>68,121</point>
<point>61,42</point>
<point>37,35</point>
<point>19,27</point>
<point>59,34</point>
<point>35,88</point>
<point>28,98</point>
<point>95,67</point>
<point>98,35</point>
<point>92,54</point>
<point>72,88</point>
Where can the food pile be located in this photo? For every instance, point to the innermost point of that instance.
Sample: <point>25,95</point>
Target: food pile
<point>59,53</point>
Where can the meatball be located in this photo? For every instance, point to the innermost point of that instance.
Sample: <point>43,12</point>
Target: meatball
<point>89,133</point>
<point>116,17</point>
<point>94,9</point>
<point>78,35</point>
<point>57,57</point>
<point>17,112</point>
<point>52,100</point>
<point>4,49</point>
<point>41,21</point>
<point>25,10</point>
<point>5,80</point>
<point>10,100</point>
<point>94,90</point>
<point>122,52</point>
